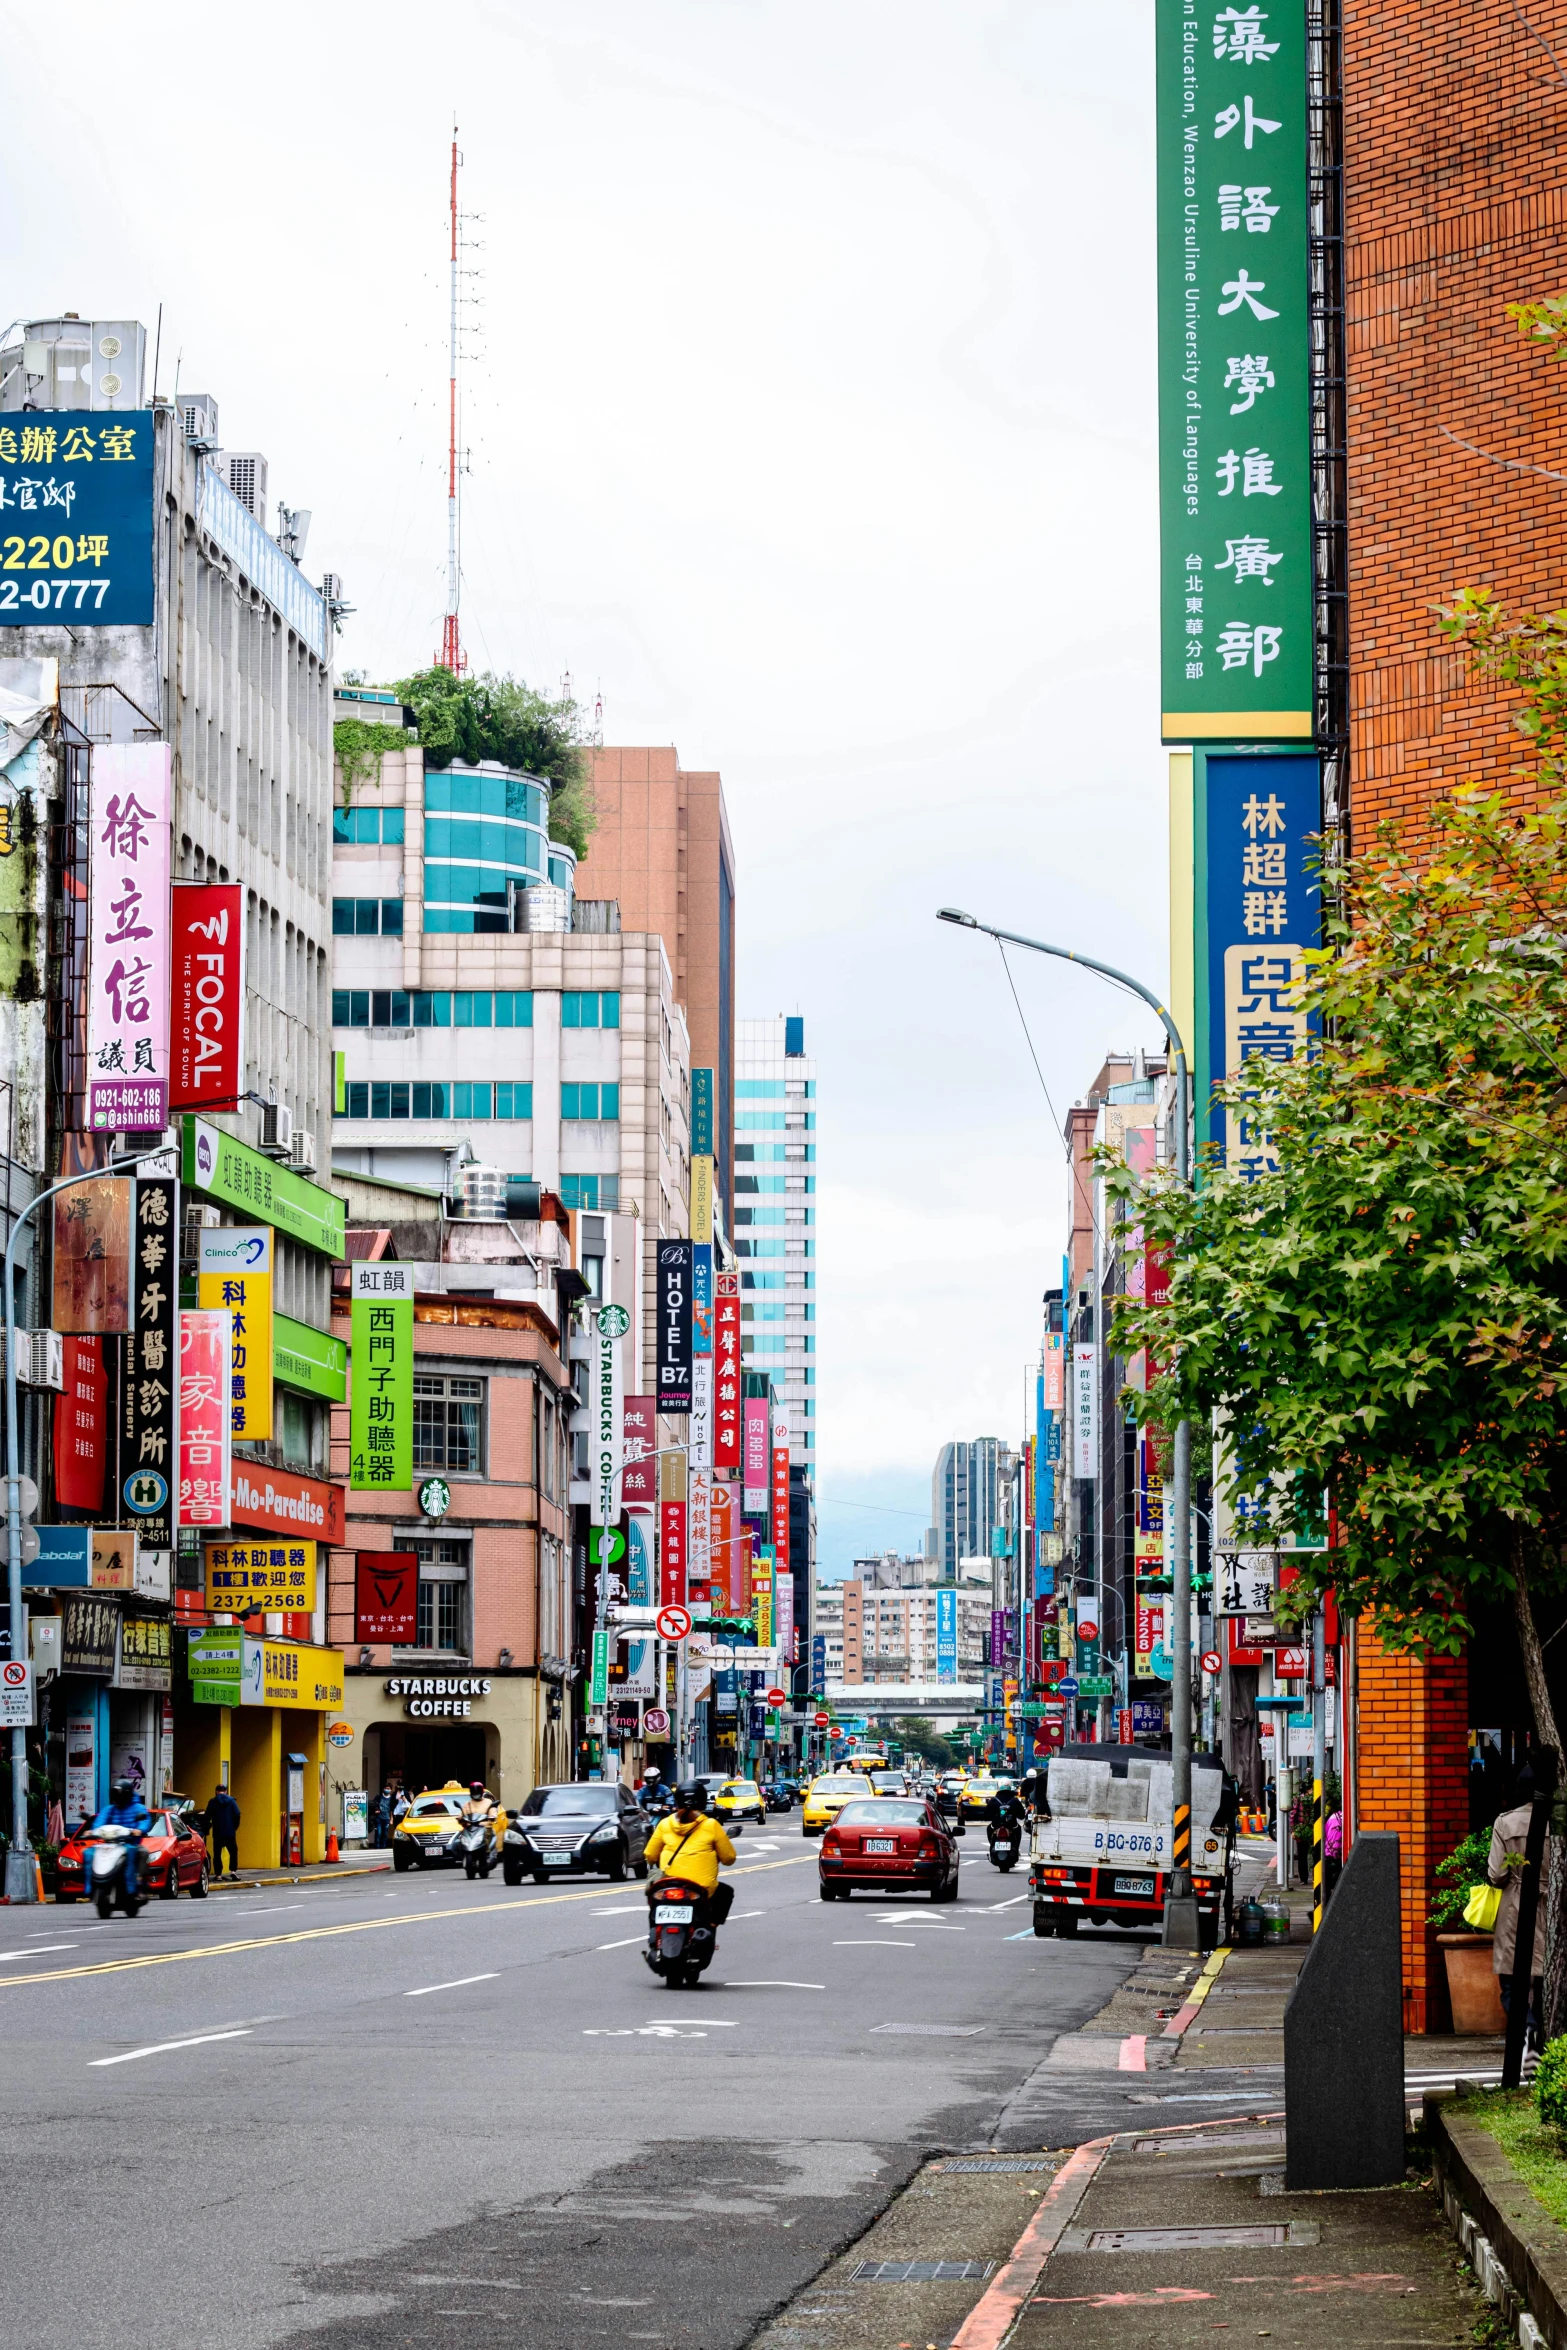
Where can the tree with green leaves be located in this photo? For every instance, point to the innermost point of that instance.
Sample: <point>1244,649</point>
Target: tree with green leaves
<point>494,717</point>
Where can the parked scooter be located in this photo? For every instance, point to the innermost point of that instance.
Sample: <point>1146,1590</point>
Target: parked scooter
<point>680,1945</point>
<point>109,1861</point>
<point>477,1846</point>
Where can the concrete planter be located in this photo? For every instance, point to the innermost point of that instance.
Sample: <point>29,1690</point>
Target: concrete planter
<point>1471,1985</point>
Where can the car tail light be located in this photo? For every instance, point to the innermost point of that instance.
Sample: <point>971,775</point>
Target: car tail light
<point>929,1848</point>
<point>831,1842</point>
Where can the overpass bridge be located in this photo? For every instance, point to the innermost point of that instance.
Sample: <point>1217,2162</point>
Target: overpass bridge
<point>949,1701</point>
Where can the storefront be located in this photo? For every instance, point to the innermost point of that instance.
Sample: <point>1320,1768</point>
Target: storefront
<point>257,1725</point>
<point>101,1653</point>
<point>424,1727</point>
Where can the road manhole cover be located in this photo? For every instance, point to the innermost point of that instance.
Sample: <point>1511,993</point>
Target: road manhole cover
<point>1236,2239</point>
<point>997,2162</point>
<point>919,2272</point>
<point>932,2031</point>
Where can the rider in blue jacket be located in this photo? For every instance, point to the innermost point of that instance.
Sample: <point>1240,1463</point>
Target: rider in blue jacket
<point>125,1809</point>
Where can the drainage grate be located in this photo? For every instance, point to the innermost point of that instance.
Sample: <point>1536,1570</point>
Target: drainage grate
<point>998,2162</point>
<point>919,2272</point>
<point>931,2031</point>
<point>1221,2239</point>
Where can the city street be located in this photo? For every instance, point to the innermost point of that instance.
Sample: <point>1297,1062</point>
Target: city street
<point>395,2110</point>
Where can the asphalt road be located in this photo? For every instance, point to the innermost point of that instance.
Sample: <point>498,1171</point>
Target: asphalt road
<point>413,2110</point>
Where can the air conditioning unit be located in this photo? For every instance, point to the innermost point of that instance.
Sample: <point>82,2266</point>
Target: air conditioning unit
<point>245,471</point>
<point>302,1151</point>
<point>277,1130</point>
<point>40,1359</point>
<point>199,418</point>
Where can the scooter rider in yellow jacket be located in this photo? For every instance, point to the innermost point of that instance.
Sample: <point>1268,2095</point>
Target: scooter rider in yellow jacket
<point>691,1846</point>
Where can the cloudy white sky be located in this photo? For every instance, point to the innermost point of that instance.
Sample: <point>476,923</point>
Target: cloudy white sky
<point>812,421</point>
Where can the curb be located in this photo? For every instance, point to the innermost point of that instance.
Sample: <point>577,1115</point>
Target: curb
<point>1181,2022</point>
<point>1515,2247</point>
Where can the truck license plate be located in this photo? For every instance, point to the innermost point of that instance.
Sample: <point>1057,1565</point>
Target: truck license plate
<point>1142,1885</point>
<point>881,1843</point>
<point>680,1916</point>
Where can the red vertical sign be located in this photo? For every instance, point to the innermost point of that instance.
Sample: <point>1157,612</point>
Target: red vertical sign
<point>207,988</point>
<point>672,1554</point>
<point>726,1375</point>
<point>79,1431</point>
<point>724,1519</point>
<point>639,1479</point>
<point>781,1506</point>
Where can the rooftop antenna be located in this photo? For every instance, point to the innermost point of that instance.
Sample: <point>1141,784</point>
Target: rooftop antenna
<point>598,719</point>
<point>451,643</point>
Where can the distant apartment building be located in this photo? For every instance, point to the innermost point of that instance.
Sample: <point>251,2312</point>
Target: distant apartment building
<point>889,1630</point>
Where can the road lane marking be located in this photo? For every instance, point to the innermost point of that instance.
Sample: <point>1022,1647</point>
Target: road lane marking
<point>628,1911</point>
<point>414,1917</point>
<point>40,1953</point>
<point>1027,1935</point>
<point>626,1945</point>
<point>994,1906</point>
<point>163,2047</point>
<point>873,1946</point>
<point>775,1986</point>
<point>460,1984</point>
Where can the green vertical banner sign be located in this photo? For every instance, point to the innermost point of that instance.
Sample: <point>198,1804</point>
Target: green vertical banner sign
<point>1234,372</point>
<point>598,1678</point>
<point>381,1376</point>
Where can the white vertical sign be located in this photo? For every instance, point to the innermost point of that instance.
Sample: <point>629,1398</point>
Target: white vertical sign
<point>699,1439</point>
<point>1085,1412</point>
<point>610,1325</point>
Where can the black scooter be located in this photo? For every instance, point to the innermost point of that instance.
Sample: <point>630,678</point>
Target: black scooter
<point>1005,1838</point>
<point>680,1946</point>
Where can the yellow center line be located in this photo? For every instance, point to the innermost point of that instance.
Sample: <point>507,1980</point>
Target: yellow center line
<point>486,1909</point>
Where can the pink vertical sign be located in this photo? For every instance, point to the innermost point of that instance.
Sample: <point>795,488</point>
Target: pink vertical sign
<point>128,931</point>
<point>206,1416</point>
<point>758,1455</point>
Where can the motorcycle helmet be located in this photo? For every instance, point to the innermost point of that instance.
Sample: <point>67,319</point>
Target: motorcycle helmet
<point>692,1797</point>
<point>122,1793</point>
<point>478,1788</point>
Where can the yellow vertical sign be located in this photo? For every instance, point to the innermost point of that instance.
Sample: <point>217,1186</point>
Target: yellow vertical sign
<point>234,1275</point>
<point>702,1201</point>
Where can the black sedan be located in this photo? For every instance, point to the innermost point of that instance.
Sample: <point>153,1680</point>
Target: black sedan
<point>595,1828</point>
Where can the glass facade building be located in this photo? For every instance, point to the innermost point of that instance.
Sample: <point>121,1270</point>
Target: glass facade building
<point>775,1216</point>
<point>486,833</point>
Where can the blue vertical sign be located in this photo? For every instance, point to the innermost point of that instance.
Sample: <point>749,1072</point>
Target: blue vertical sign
<point>946,1635</point>
<point>1259,909</point>
<point>818,1662</point>
<point>701,1297</point>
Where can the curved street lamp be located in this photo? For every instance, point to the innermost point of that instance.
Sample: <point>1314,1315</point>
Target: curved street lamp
<point>1180,1911</point>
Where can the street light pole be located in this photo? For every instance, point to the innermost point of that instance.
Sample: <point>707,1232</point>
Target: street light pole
<point>1180,1909</point>
<point>21,1884</point>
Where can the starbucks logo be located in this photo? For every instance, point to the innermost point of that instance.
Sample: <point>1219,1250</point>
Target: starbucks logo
<point>612,1321</point>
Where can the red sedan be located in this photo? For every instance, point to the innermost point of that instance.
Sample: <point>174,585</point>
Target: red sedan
<point>173,1859</point>
<point>882,1843</point>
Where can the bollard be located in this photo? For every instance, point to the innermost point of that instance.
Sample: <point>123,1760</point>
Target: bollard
<point>1316,1856</point>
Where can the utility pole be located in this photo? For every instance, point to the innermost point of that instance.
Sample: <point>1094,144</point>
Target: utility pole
<point>1181,1926</point>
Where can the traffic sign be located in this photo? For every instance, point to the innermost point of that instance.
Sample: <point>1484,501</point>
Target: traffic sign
<point>1212,1662</point>
<point>823,1721</point>
<point>1096,1685</point>
<point>1067,1685</point>
<point>673,1623</point>
<point>16,1694</point>
<point>776,1697</point>
<point>655,1721</point>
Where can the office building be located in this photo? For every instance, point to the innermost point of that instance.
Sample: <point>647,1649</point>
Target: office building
<point>968,1501</point>
<point>775,1217</point>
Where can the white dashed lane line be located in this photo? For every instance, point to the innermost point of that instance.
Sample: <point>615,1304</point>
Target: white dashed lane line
<point>167,2047</point>
<point>460,1984</point>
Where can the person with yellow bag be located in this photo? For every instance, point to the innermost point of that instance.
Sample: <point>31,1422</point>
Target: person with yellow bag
<point>1504,1879</point>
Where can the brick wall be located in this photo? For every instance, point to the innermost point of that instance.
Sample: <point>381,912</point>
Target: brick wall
<point>1455,139</point>
<point>1412,1772</point>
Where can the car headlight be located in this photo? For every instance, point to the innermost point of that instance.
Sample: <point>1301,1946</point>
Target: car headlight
<point>609,1829</point>
<point>515,1836</point>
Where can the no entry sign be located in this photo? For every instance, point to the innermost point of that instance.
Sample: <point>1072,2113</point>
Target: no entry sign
<point>673,1623</point>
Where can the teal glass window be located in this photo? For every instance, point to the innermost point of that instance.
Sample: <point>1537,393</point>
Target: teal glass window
<point>591,1191</point>
<point>361,827</point>
<point>350,1007</point>
<point>473,1011</point>
<point>758,1089</point>
<point>514,1008</point>
<point>367,917</point>
<point>432,1008</point>
<point>582,1008</point>
<point>356,1101</point>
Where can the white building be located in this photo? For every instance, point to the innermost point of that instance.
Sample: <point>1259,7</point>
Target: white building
<point>775,1217</point>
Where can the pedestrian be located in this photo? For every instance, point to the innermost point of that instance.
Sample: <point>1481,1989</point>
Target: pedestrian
<point>223,1819</point>
<point>1504,1867</point>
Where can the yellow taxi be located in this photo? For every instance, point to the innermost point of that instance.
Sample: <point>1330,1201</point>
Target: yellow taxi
<point>738,1799</point>
<point>428,1830</point>
<point>826,1797</point>
<point>976,1795</point>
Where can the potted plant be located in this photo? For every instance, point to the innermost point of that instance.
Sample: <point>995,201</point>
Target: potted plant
<point>1471,1985</point>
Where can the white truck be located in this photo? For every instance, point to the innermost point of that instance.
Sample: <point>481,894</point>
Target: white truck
<point>1100,1846</point>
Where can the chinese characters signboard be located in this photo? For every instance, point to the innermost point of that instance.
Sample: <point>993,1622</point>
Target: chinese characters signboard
<point>208,994</point>
<point>1085,1412</point>
<point>92,1256</point>
<point>639,1477</point>
<point>76,511</point>
<point>79,1426</point>
<point>726,1374</point>
<point>386,1596</point>
<point>216,1162</point>
<point>701,1113</point>
<point>1259,911</point>
<point>381,1416</point>
<point>234,1272</point>
<point>1234,371</point>
<point>243,1577</point>
<point>204,1410</point>
<point>149,1386</point>
<point>128,966</point>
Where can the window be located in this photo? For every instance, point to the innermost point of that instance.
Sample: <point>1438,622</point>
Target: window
<point>754,1089</point>
<point>356,827</point>
<point>591,1191</point>
<point>579,1010</point>
<point>448,1424</point>
<point>507,796</point>
<point>590,1101</point>
<point>367,917</point>
<point>350,1007</point>
<point>443,1596</point>
<point>473,1011</point>
<point>394,1100</point>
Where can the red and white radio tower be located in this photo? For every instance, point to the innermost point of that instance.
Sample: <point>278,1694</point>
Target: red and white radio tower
<point>451,653</point>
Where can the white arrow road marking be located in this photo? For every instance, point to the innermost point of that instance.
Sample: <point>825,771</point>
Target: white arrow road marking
<point>163,2047</point>
<point>647,2032</point>
<point>460,1984</point>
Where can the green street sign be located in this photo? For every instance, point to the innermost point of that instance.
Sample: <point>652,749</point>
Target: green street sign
<point>598,1682</point>
<point>1096,1685</point>
<point>225,1168</point>
<point>307,1358</point>
<point>1234,374</point>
